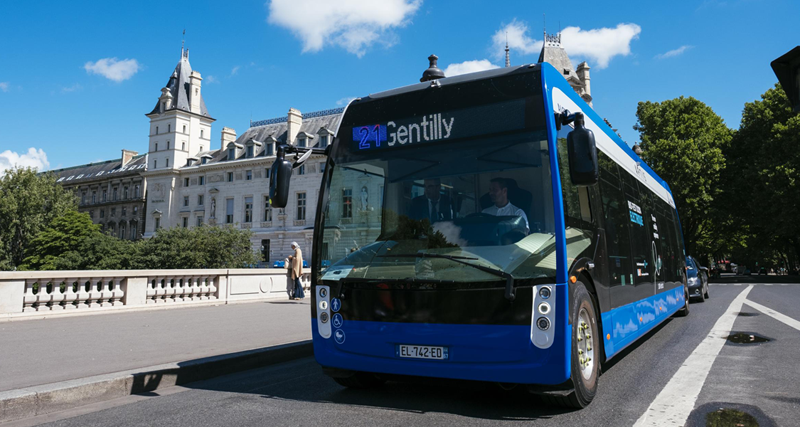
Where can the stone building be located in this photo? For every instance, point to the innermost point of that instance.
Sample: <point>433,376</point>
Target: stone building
<point>555,54</point>
<point>192,183</point>
<point>230,184</point>
<point>111,192</point>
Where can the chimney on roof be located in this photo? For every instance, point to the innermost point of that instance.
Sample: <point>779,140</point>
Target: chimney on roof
<point>295,120</point>
<point>433,72</point>
<point>228,136</point>
<point>195,83</point>
<point>583,76</point>
<point>127,156</point>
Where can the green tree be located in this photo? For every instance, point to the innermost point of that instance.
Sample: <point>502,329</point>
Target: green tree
<point>683,141</point>
<point>73,242</point>
<point>764,178</point>
<point>28,203</point>
<point>198,247</point>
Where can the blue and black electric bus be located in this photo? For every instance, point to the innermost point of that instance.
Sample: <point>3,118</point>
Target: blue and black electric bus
<point>486,227</point>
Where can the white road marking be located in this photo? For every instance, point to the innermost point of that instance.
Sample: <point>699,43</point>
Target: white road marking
<point>676,401</point>
<point>774,314</point>
<point>755,284</point>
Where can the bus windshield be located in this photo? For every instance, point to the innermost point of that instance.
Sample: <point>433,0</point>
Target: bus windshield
<point>485,202</point>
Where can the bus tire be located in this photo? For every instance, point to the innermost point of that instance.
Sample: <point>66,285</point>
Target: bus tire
<point>685,310</point>
<point>586,351</point>
<point>360,380</point>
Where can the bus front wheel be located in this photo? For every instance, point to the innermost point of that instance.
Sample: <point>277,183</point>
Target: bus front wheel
<point>586,353</point>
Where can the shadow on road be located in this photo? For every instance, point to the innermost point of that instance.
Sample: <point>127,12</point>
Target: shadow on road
<point>476,400</point>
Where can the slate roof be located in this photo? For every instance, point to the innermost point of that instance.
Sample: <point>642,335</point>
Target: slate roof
<point>99,170</point>
<point>556,56</point>
<point>312,124</point>
<point>179,87</point>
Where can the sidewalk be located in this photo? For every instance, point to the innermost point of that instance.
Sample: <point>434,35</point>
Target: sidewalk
<point>36,352</point>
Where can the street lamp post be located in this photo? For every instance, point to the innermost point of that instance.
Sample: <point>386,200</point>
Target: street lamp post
<point>787,70</point>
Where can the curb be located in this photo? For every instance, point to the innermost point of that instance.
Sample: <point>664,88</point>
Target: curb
<point>43,399</point>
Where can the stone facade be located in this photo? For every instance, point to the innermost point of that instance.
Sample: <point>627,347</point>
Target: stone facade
<point>190,183</point>
<point>555,54</point>
<point>111,192</point>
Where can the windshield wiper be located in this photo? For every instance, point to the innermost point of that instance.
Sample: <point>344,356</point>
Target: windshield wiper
<point>461,260</point>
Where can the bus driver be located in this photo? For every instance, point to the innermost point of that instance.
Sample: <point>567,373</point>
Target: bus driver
<point>498,192</point>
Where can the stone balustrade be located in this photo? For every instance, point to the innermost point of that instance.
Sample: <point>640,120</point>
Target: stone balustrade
<point>35,293</point>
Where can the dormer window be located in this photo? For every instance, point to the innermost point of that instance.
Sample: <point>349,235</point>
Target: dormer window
<point>301,142</point>
<point>269,150</point>
<point>232,153</point>
<point>249,151</point>
<point>204,160</point>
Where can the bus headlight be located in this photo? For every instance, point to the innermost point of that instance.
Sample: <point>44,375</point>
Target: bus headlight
<point>543,323</point>
<point>544,308</point>
<point>544,292</point>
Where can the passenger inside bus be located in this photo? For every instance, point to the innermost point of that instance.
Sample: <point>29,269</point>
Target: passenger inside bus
<point>501,206</point>
<point>433,204</point>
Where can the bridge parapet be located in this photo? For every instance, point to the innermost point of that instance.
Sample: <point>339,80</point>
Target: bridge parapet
<point>28,293</point>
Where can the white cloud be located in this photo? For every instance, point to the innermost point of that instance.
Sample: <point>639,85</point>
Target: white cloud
<point>344,101</point>
<point>351,24</point>
<point>518,40</point>
<point>469,67</point>
<point>674,52</point>
<point>600,44</point>
<point>211,79</point>
<point>4,86</point>
<point>35,158</point>
<point>74,88</point>
<point>113,69</point>
<point>235,70</point>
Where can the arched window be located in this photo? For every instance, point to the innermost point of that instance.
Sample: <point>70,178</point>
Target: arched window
<point>167,165</point>
<point>167,145</point>
<point>156,147</point>
<point>155,163</point>
<point>201,133</point>
<point>183,146</point>
<point>184,128</point>
<point>169,128</point>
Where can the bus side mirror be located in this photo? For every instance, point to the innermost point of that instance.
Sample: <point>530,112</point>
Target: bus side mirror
<point>582,153</point>
<point>279,179</point>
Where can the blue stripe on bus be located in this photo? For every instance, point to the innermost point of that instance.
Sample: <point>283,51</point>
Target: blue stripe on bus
<point>629,322</point>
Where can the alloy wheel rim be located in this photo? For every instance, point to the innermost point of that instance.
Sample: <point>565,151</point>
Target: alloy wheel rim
<point>585,346</point>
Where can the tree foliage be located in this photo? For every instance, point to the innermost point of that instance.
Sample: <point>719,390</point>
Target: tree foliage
<point>28,203</point>
<point>683,141</point>
<point>763,178</point>
<point>198,247</point>
<point>73,242</point>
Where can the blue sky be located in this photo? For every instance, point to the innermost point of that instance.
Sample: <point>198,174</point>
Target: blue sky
<point>64,95</point>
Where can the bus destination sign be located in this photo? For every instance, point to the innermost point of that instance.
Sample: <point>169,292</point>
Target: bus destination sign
<point>482,120</point>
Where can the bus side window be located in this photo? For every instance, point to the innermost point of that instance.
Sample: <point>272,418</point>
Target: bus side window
<point>639,223</point>
<point>616,219</point>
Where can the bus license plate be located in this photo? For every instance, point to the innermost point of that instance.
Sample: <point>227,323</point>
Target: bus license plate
<point>422,352</point>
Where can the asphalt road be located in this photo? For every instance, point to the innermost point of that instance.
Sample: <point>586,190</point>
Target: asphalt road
<point>759,379</point>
